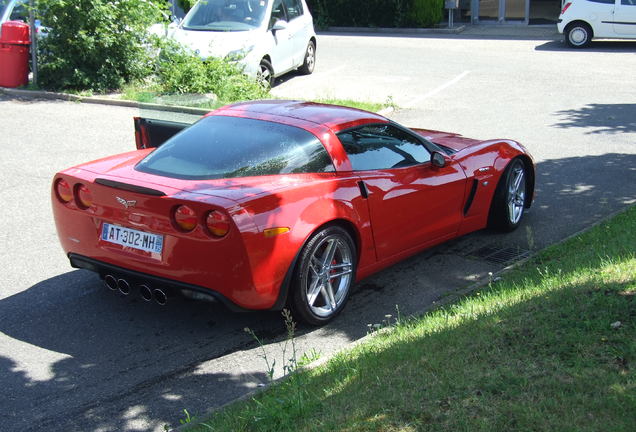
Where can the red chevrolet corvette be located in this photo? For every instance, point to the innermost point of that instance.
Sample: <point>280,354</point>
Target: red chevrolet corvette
<point>268,204</point>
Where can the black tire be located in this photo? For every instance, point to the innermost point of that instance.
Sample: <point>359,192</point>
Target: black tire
<point>310,59</point>
<point>578,35</point>
<point>265,74</point>
<point>323,277</point>
<point>509,202</point>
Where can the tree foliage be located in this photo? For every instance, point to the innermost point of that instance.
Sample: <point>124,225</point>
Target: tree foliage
<point>97,44</point>
<point>376,13</point>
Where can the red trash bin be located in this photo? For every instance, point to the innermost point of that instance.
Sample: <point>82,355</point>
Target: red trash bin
<point>14,54</point>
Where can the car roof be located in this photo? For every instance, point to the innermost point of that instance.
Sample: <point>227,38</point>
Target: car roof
<point>334,117</point>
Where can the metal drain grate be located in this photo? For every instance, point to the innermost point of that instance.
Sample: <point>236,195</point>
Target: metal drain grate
<point>499,255</point>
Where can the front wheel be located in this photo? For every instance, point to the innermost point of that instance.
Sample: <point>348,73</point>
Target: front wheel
<point>324,276</point>
<point>578,35</point>
<point>310,59</point>
<point>265,74</point>
<point>509,201</point>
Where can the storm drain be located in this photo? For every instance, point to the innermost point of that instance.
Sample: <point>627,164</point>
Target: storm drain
<point>499,255</point>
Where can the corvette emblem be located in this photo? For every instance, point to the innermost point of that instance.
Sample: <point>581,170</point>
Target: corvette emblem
<point>126,203</point>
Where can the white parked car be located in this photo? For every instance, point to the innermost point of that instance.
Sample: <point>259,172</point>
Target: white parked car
<point>266,37</point>
<point>582,20</point>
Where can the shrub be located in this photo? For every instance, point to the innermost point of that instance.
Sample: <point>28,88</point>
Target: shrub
<point>376,13</point>
<point>181,71</point>
<point>96,44</point>
<point>425,13</point>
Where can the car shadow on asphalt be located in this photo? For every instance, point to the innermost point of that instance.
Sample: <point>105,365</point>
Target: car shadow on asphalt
<point>105,361</point>
<point>602,46</point>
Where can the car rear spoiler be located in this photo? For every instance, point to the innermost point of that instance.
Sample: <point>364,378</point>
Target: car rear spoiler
<point>150,133</point>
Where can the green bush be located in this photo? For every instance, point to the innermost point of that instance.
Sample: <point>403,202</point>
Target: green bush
<point>376,13</point>
<point>425,13</point>
<point>180,71</point>
<point>96,44</point>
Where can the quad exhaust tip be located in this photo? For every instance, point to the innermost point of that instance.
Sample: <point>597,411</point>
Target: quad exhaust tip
<point>110,282</point>
<point>124,286</point>
<point>145,292</point>
<point>160,296</point>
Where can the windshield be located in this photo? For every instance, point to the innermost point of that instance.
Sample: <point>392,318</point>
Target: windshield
<point>226,15</point>
<point>224,147</point>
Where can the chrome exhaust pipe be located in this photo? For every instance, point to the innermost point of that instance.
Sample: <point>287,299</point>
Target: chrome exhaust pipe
<point>124,286</point>
<point>160,296</point>
<point>110,282</point>
<point>146,292</point>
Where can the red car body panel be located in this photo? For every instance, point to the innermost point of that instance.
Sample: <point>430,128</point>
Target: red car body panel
<point>251,268</point>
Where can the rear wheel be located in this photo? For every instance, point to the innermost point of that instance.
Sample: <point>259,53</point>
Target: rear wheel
<point>324,276</point>
<point>578,35</point>
<point>310,59</point>
<point>509,202</point>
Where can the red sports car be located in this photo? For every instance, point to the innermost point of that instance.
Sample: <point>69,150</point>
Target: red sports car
<point>268,204</point>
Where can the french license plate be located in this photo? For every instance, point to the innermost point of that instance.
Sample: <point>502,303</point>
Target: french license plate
<point>132,238</point>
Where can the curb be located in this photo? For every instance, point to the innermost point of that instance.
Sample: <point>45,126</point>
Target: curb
<point>397,30</point>
<point>450,298</point>
<point>37,94</point>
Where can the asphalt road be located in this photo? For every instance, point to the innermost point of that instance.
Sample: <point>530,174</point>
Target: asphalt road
<point>75,356</point>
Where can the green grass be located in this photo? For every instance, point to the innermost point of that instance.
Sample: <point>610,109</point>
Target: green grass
<point>146,95</point>
<point>549,347</point>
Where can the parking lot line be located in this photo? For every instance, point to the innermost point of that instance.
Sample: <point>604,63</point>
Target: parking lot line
<point>433,92</point>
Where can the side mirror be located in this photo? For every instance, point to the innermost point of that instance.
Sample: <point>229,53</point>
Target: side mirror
<point>438,159</point>
<point>279,25</point>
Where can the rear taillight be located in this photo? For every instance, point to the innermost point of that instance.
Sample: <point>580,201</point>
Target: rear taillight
<point>567,5</point>
<point>218,223</point>
<point>63,191</point>
<point>185,218</point>
<point>84,196</point>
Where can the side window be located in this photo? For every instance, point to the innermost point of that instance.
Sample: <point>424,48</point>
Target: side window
<point>382,147</point>
<point>628,2</point>
<point>611,2</point>
<point>19,13</point>
<point>294,8</point>
<point>278,12</point>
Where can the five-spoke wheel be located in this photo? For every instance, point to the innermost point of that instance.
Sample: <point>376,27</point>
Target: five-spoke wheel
<point>265,74</point>
<point>310,59</point>
<point>324,276</point>
<point>509,202</point>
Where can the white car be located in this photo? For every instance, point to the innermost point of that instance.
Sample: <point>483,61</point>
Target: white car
<point>266,37</point>
<point>582,20</point>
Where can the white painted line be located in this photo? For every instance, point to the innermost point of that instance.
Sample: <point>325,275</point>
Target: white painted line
<point>331,71</point>
<point>437,90</point>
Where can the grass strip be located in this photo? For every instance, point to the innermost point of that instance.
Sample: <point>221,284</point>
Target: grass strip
<point>200,101</point>
<point>549,347</point>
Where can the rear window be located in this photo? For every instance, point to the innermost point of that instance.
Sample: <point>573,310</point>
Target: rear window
<point>225,147</point>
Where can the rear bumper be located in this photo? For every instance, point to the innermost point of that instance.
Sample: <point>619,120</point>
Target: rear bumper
<point>138,278</point>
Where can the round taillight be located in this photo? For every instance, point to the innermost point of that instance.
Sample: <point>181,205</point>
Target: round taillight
<point>84,196</point>
<point>218,223</point>
<point>63,191</point>
<point>185,218</point>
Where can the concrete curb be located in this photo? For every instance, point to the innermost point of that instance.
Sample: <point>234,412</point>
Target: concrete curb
<point>452,297</point>
<point>391,30</point>
<point>37,94</point>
